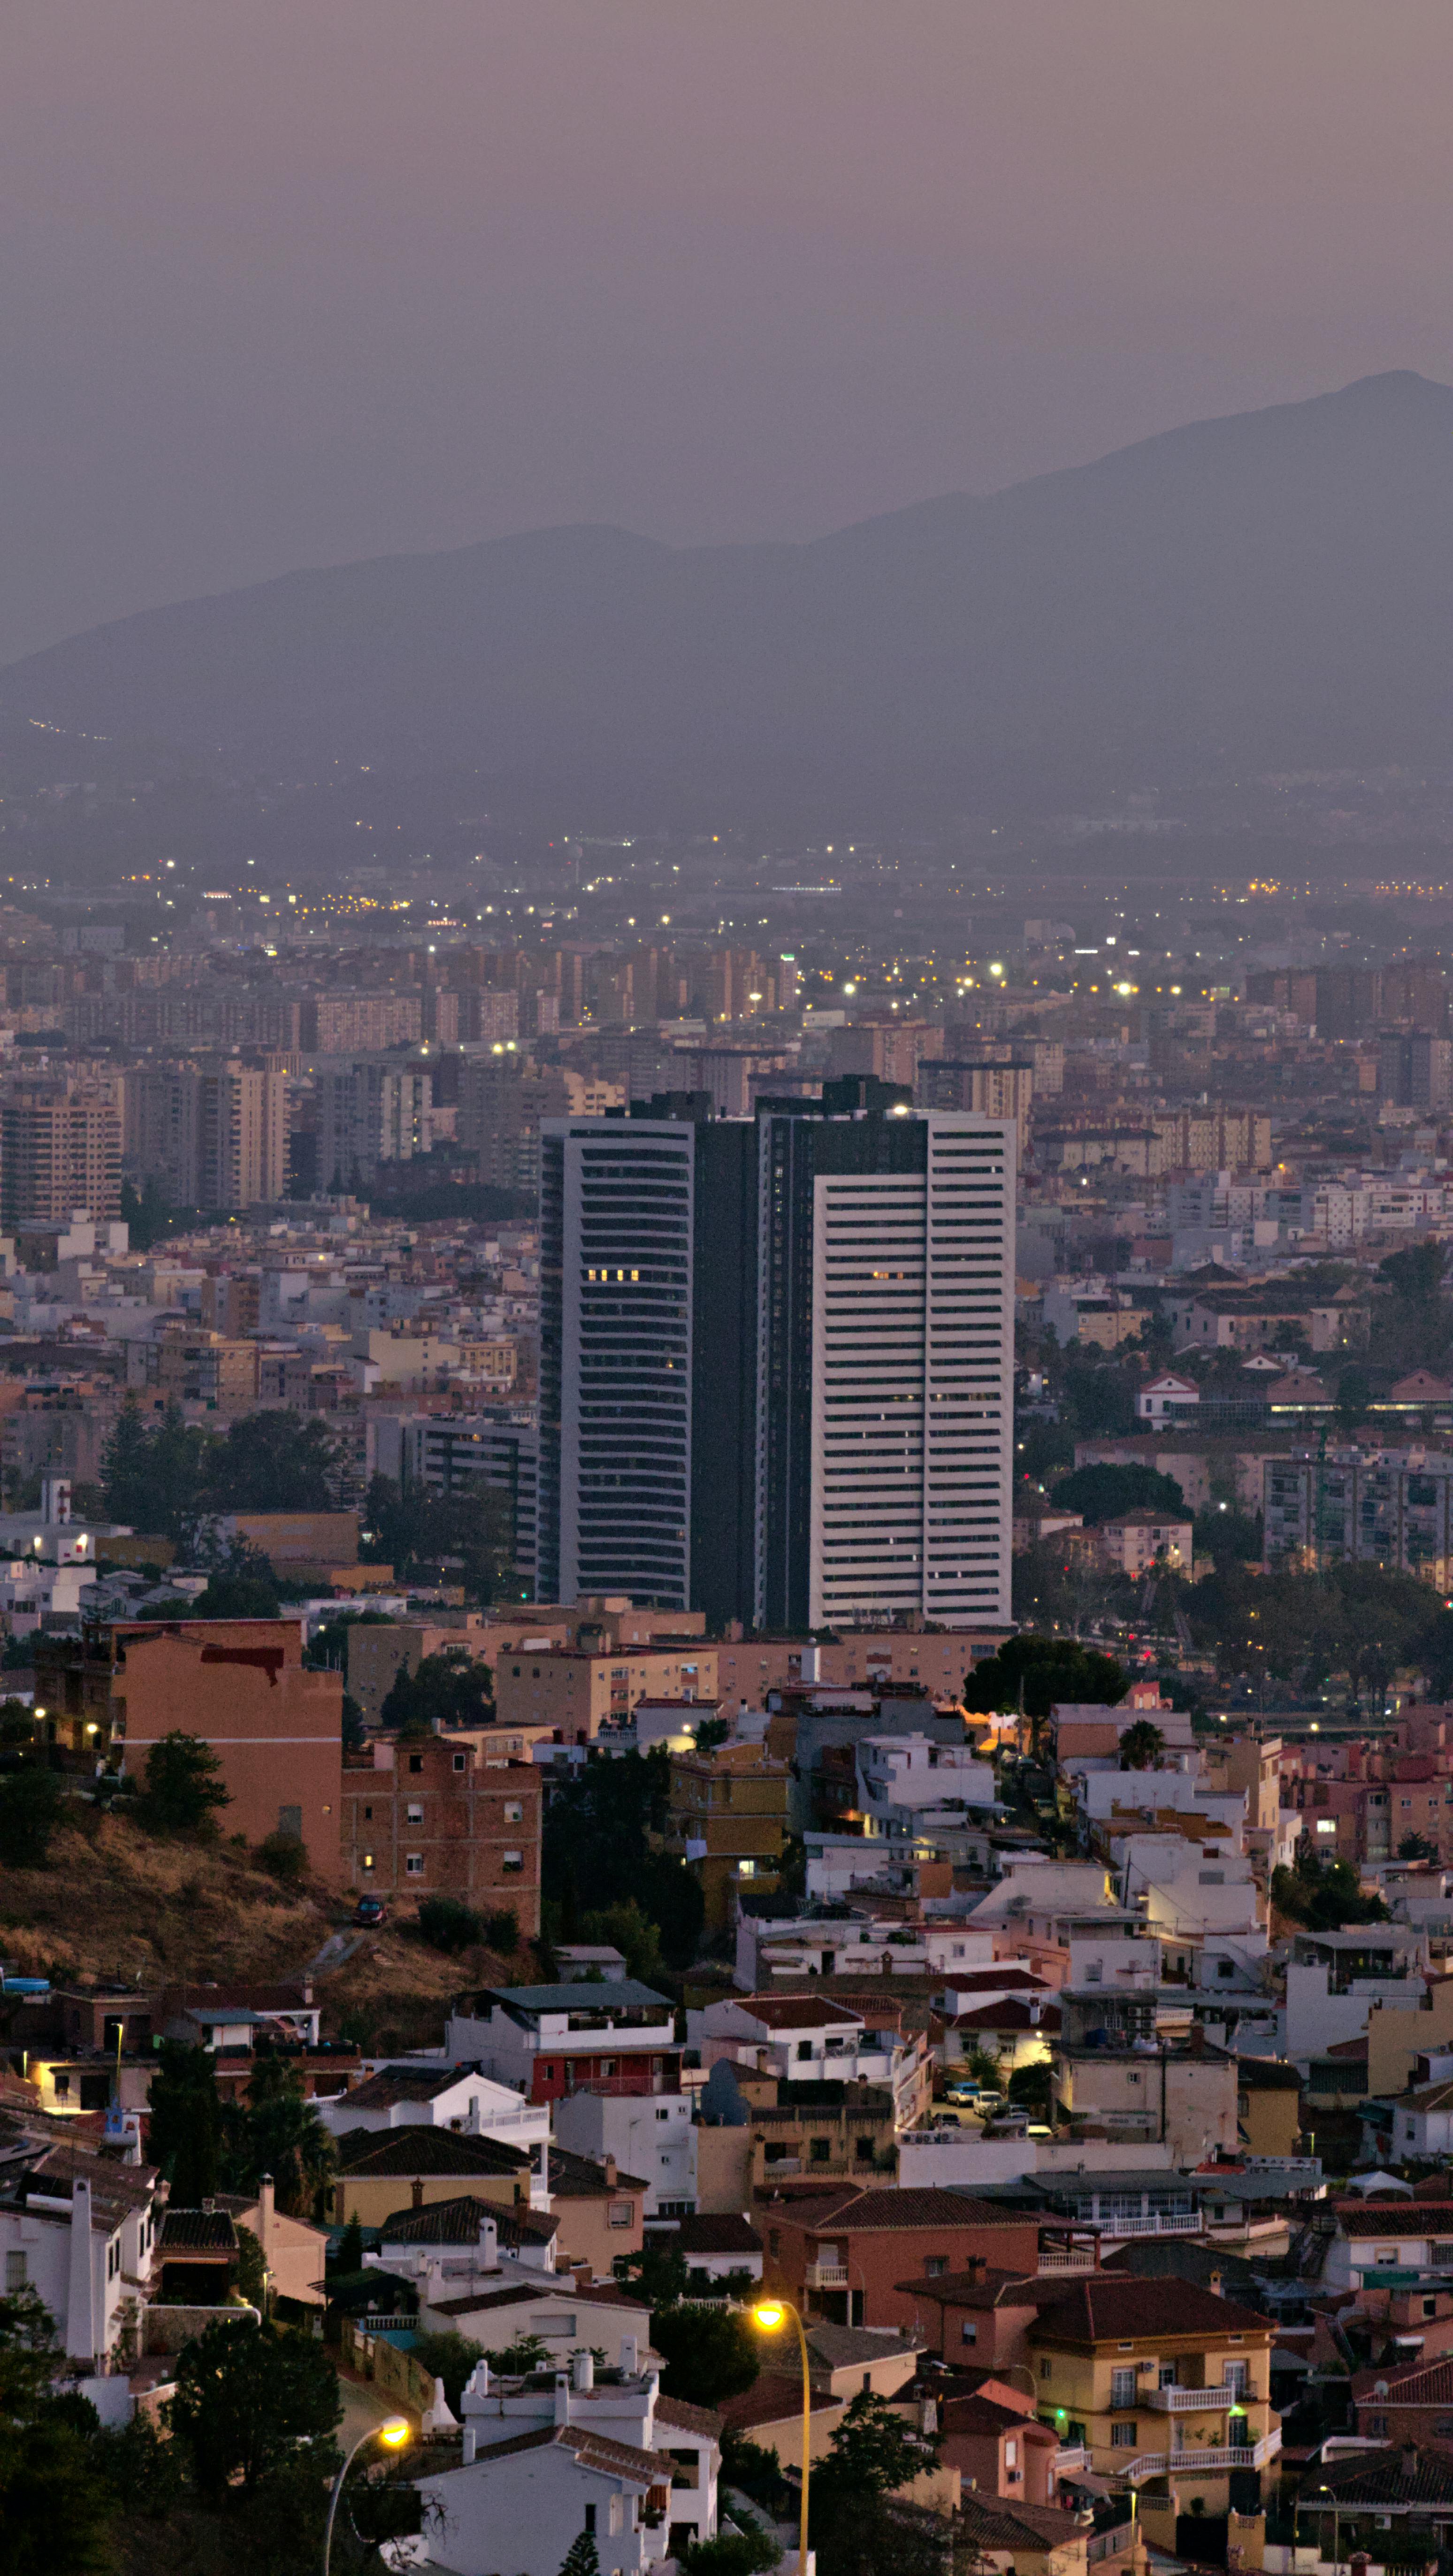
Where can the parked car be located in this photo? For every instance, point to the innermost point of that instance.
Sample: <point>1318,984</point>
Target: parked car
<point>370,1911</point>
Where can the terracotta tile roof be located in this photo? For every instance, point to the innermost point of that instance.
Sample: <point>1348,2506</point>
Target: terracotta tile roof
<point>1102,2308</point>
<point>592,2450</point>
<point>1385,2479</point>
<point>1414,2383</point>
<point>793,2012</point>
<point>990,2523</point>
<point>715,2233</point>
<point>915,2207</point>
<point>688,2419</point>
<point>440,2222</point>
<point>986,2289</point>
<point>980,2414</point>
<point>196,2231</point>
<point>551,2286</point>
<point>575,2177</point>
<point>419,2149</point>
<point>1395,2217</point>
<point>1010,2013</point>
<point>775,2398</point>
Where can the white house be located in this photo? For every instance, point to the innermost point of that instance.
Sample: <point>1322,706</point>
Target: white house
<point>1374,2236</point>
<point>648,2134</point>
<point>82,2233</point>
<point>437,2093</point>
<point>546,2040</point>
<point>901,1778</point>
<point>558,2313</point>
<point>809,2040</point>
<point>1167,1398</point>
<point>858,1945</point>
<point>1334,1979</point>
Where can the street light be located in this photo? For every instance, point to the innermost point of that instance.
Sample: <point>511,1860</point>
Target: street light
<point>393,2433</point>
<point>771,2315</point>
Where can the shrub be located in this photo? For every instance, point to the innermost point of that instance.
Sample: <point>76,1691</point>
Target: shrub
<point>30,1810</point>
<point>447,1925</point>
<point>284,1857</point>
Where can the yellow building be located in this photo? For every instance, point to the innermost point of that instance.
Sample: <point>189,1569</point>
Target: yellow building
<point>578,1693</point>
<point>726,1818</point>
<point>1165,2385</point>
<point>1268,2106</point>
<point>381,2170</point>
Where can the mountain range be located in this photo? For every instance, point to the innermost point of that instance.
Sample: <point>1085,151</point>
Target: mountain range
<point>1268,592</point>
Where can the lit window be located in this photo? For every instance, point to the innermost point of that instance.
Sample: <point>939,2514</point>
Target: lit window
<point>368,1860</point>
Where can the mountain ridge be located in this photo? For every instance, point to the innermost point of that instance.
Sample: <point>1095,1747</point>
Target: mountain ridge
<point>1272,588</point>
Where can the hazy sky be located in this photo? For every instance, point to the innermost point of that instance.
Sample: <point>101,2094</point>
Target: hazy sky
<point>294,281</point>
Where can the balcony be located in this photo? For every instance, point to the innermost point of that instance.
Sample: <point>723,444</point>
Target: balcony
<point>1200,2459</point>
<point>1070,2459</point>
<point>1161,2222</point>
<point>1189,2401</point>
<point>826,2276</point>
<point>1080,2258</point>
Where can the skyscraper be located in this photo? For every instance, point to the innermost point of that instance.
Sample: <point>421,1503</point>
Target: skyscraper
<point>776,1359</point>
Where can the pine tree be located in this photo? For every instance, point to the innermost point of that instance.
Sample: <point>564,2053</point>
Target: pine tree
<point>580,2558</point>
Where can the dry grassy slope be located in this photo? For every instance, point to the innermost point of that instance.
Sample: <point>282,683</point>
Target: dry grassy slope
<point>116,1902</point>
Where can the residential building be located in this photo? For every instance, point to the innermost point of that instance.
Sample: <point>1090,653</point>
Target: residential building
<point>1136,1541</point>
<point>977,2319</point>
<point>809,2039</point>
<point>430,1817</point>
<point>1166,1399</point>
<point>550,2041</point>
<point>1335,1979</point>
<point>60,1151</point>
<point>459,1453</point>
<point>374,2167</point>
<point>1408,2405</point>
<point>728,1278</point>
<point>1268,2107</point>
<point>601,2209</point>
<point>575,1694</point>
<point>650,2134</point>
<point>1382,1506</point>
<point>1165,2386</point>
<point>907,1784</point>
<point>560,2310</point>
<point>1373,2236</point>
<point>440,2094</point>
<point>634,2471</point>
<point>83,2232</point>
<point>213,1134</point>
<point>370,1112</point>
<point>999,2447</point>
<point>726,1816</point>
<point>845,2253</point>
<point>342,1023</point>
<point>241,1685</point>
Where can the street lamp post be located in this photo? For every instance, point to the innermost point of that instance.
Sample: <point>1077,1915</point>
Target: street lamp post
<point>393,2433</point>
<point>771,2315</point>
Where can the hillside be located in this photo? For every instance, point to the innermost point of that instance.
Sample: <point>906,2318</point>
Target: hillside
<point>1269,591</point>
<point>115,1903</point>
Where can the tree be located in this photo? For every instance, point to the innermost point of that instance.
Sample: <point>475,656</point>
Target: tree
<point>1044,1670</point>
<point>449,1926</point>
<point>183,1785</point>
<point>1324,1895</point>
<point>447,1689</point>
<point>416,1531</point>
<point>251,2268</point>
<point>450,2357</point>
<point>146,1212</point>
<point>502,1930</point>
<point>580,2558</point>
<point>55,2507</point>
<point>872,2454</point>
<point>627,1929</point>
<point>184,2137</point>
<point>31,1801</point>
<point>250,2400</point>
<point>597,1852</point>
<point>1102,1493</point>
<point>1417,1847</point>
<point>657,2274</point>
<point>278,2132</point>
<point>734,2552</point>
<point>272,1462</point>
<point>242,1586</point>
<point>1141,1746</point>
<point>710,1733</point>
<point>710,2353</point>
<point>1031,2088</point>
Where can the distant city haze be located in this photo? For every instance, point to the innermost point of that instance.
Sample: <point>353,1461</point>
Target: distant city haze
<point>299,282</point>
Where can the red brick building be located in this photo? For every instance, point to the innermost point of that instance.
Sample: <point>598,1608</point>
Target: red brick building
<point>239,1684</point>
<point>853,2255</point>
<point>428,1816</point>
<point>1411,2405</point>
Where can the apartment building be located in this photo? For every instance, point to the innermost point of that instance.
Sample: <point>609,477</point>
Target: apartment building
<point>214,1134</point>
<point>1384,1506</point>
<point>435,1818</point>
<point>726,1818</point>
<point>60,1151</point>
<point>855,2256</point>
<point>550,2041</point>
<point>239,1684</point>
<point>577,1693</point>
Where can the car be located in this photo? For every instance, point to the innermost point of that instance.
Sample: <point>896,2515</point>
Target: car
<point>370,1911</point>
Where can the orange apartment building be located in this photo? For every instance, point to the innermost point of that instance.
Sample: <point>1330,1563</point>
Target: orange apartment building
<point>430,1816</point>
<point>574,1693</point>
<point>239,1684</point>
<point>935,1659</point>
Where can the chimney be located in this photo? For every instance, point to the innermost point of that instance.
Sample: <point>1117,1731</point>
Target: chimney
<point>582,2372</point>
<point>610,2173</point>
<point>562,2397</point>
<point>81,2280</point>
<point>416,2191</point>
<point>629,2350</point>
<point>265,2211</point>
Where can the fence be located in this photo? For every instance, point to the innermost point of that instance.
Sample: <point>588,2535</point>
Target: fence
<point>373,2357</point>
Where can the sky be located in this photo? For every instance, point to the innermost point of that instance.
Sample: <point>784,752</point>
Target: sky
<point>293,282</point>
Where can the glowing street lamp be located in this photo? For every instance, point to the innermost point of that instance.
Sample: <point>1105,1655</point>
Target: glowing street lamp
<point>394,2432</point>
<point>770,2316</point>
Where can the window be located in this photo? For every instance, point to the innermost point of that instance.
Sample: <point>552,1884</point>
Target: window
<point>804,2048</point>
<point>1167,2374</point>
<point>1122,2387</point>
<point>1045,2368</point>
<point>414,1865</point>
<point>821,2150</point>
<point>663,2115</point>
<point>461,1761</point>
<point>969,2330</point>
<point>16,2275</point>
<point>514,1812</point>
<point>1376,2425</point>
<point>1234,2374</point>
<point>416,1762</point>
<point>935,2266</point>
<point>368,1815</point>
<point>415,1814</point>
<point>368,1860</point>
<point>1123,2437</point>
<point>590,2520</point>
<point>512,1863</point>
<point>774,2242</point>
<point>620,2213</point>
<point>1011,2458</point>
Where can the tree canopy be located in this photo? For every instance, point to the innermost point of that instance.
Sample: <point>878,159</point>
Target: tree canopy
<point>1102,1493</point>
<point>448,1689</point>
<point>1045,1669</point>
